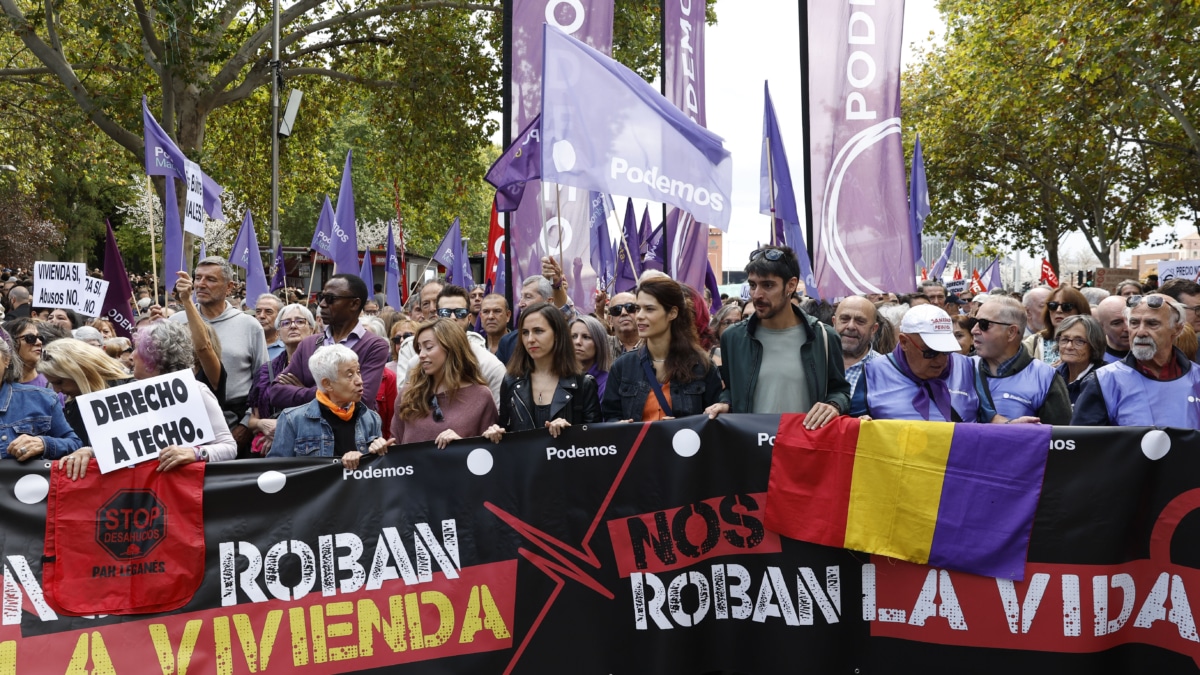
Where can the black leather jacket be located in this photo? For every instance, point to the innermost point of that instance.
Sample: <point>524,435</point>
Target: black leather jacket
<point>576,400</point>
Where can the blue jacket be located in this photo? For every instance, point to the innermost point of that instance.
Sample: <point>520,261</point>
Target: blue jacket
<point>302,432</point>
<point>35,411</point>
<point>627,389</point>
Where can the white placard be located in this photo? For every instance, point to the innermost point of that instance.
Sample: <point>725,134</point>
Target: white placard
<point>92,296</point>
<point>1173,269</point>
<point>67,286</point>
<point>957,286</point>
<point>129,424</point>
<point>193,208</point>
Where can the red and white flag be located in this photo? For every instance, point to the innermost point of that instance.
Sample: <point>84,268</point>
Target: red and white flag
<point>976,282</point>
<point>1048,276</point>
<point>957,273</point>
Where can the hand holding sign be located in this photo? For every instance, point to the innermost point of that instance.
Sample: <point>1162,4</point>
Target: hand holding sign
<point>175,456</point>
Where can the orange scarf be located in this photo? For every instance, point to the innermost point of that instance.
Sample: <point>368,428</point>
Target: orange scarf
<point>343,414</point>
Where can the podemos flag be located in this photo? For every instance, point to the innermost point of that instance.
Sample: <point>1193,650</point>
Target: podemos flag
<point>956,496</point>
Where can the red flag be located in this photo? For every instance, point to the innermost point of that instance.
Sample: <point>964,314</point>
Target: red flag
<point>957,273</point>
<point>494,246</point>
<point>976,282</point>
<point>924,275</point>
<point>1048,275</point>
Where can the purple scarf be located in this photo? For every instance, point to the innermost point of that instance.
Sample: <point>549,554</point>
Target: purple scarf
<point>933,388</point>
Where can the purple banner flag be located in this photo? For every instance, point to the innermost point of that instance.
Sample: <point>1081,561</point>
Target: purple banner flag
<point>391,278</point>
<point>859,197</point>
<point>645,231</point>
<point>501,275</point>
<point>777,196</point>
<point>689,248</point>
<point>449,250</point>
<point>991,276</point>
<point>918,200</point>
<point>245,255</point>
<point>714,289</point>
<point>618,135</point>
<point>118,302</point>
<point>164,158</point>
<point>345,233</point>
<point>322,239</point>
<point>366,273</point>
<point>172,238</point>
<point>603,261</point>
<point>684,57</point>
<point>466,277</point>
<point>279,278</point>
<point>654,258</point>
<point>520,163</point>
<point>936,271</point>
<point>629,266</point>
<point>203,251</point>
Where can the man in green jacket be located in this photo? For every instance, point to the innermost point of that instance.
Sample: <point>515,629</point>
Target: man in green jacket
<point>781,360</point>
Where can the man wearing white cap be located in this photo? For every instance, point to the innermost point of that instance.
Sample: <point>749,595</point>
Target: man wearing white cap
<point>924,378</point>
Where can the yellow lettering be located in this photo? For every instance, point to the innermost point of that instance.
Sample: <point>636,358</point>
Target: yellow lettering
<point>412,612</point>
<point>223,646</point>
<point>316,615</point>
<point>8,658</point>
<point>299,636</point>
<point>392,629</point>
<point>96,652</point>
<point>257,655</point>
<point>168,660</point>
<point>341,629</point>
<point>492,619</point>
<point>445,617</point>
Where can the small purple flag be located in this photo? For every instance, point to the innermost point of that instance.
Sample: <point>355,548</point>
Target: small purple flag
<point>991,276</point>
<point>345,233</point>
<point>391,277</point>
<point>776,181</point>
<point>203,250</point>
<point>164,158</point>
<point>714,290</point>
<point>366,273</point>
<point>936,271</point>
<point>245,255</point>
<point>918,199</point>
<point>322,240</point>
<point>501,274</point>
<point>520,163</point>
<point>628,264</point>
<point>118,302</point>
<point>655,251</point>
<point>645,231</point>
<point>466,277</point>
<point>449,250</point>
<point>279,279</point>
<point>172,238</point>
<point>603,260</point>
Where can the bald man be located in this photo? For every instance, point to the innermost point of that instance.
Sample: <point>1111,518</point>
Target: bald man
<point>1034,301</point>
<point>857,324</point>
<point>1111,315</point>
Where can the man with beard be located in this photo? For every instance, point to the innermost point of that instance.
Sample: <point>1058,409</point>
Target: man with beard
<point>1020,387</point>
<point>1111,315</point>
<point>781,360</point>
<point>1155,385</point>
<point>624,336</point>
<point>856,323</point>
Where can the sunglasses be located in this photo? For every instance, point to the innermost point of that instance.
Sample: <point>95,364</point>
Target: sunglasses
<point>37,339</point>
<point>437,410</point>
<point>931,354</point>
<point>447,313</point>
<point>1066,306</point>
<point>400,337</point>
<point>627,308</point>
<point>985,324</point>
<point>1152,301</point>
<point>772,254</point>
<point>330,298</point>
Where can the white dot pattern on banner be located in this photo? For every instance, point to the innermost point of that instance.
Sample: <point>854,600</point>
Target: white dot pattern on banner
<point>271,482</point>
<point>1156,444</point>
<point>31,489</point>
<point>479,462</point>
<point>686,442</point>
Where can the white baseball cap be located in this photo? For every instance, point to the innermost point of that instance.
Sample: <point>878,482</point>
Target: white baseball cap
<point>934,326</point>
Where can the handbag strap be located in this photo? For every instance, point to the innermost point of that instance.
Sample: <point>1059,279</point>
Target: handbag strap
<point>658,392</point>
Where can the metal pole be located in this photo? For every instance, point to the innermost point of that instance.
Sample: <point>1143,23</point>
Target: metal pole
<point>806,124</point>
<point>275,76</point>
<point>153,245</point>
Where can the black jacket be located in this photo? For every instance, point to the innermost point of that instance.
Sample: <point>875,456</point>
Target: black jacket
<point>575,400</point>
<point>627,389</point>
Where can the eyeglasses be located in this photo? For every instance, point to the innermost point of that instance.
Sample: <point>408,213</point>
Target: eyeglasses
<point>1076,342</point>
<point>32,339</point>
<point>288,323</point>
<point>985,324</point>
<point>772,254</point>
<point>627,308</point>
<point>400,337</point>
<point>127,350</point>
<point>1152,301</point>
<point>437,409</point>
<point>447,313</point>
<point>1065,306</point>
<point>330,298</point>
<point>930,354</point>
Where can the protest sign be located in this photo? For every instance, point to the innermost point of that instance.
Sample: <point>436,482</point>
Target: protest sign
<point>67,286</point>
<point>131,423</point>
<point>957,286</point>
<point>1108,277</point>
<point>193,214</point>
<point>1178,269</point>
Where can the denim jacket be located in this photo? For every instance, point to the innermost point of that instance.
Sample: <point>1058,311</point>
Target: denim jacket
<point>35,411</point>
<point>627,389</point>
<point>302,432</point>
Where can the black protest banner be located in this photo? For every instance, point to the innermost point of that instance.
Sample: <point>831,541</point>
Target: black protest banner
<point>626,549</point>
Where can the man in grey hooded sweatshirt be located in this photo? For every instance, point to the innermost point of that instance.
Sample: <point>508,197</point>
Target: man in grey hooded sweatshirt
<point>243,344</point>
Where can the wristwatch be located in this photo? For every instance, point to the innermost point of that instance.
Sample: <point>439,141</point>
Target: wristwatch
<point>203,453</point>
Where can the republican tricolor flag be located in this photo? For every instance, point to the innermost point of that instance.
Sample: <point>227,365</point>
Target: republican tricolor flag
<point>956,496</point>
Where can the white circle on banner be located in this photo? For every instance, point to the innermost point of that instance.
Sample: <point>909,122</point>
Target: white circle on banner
<point>479,462</point>
<point>564,155</point>
<point>271,482</point>
<point>31,489</point>
<point>1156,444</point>
<point>686,442</point>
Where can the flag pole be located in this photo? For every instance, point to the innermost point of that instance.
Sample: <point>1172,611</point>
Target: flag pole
<point>153,245</point>
<point>312,274</point>
<point>771,189</point>
<point>562,255</point>
<point>628,255</point>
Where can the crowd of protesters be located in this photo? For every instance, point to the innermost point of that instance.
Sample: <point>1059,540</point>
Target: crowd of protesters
<point>342,374</point>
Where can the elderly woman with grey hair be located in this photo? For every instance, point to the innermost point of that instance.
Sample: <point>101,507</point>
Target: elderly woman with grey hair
<point>336,424</point>
<point>1081,347</point>
<point>32,423</point>
<point>293,323</point>
<point>166,347</point>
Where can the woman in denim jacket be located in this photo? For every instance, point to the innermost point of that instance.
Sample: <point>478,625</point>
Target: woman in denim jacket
<point>335,424</point>
<point>32,422</point>
<point>670,375</point>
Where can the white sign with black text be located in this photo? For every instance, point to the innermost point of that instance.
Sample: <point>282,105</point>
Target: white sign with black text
<point>193,208</point>
<point>67,286</point>
<point>1178,269</point>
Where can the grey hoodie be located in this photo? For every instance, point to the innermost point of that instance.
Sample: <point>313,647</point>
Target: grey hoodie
<point>243,351</point>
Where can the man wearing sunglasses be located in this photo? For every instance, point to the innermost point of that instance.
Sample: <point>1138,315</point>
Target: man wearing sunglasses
<point>781,360</point>
<point>1018,386</point>
<point>1155,385</point>
<point>624,336</point>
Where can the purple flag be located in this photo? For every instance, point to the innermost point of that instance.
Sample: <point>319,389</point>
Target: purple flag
<point>366,273</point>
<point>466,277</point>
<point>245,255</point>
<point>645,231</point>
<point>449,250</point>
<point>618,135</point>
<point>918,199</point>
<point>689,248</point>
<point>322,239</point>
<point>714,290</point>
<point>628,266</point>
<point>391,278</point>
<point>862,242</point>
<point>172,238</point>
<point>203,250</point>
<point>991,276</point>
<point>776,190</point>
<point>603,261</point>
<point>501,274</point>
<point>164,158</point>
<point>683,45</point>
<point>345,234</point>
<point>654,258</point>
<point>936,271</point>
<point>592,22</point>
<point>279,278</point>
<point>118,302</point>
<point>520,163</point>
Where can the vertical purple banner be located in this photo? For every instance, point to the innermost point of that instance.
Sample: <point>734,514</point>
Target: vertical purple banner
<point>545,210</point>
<point>683,46</point>
<point>859,192</point>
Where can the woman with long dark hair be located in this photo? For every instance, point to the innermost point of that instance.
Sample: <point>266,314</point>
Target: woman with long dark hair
<point>670,375</point>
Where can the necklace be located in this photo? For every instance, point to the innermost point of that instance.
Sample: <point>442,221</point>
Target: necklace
<point>658,360</point>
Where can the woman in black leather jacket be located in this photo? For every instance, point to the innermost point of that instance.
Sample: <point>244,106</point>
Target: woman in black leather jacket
<point>670,375</point>
<point>544,387</point>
